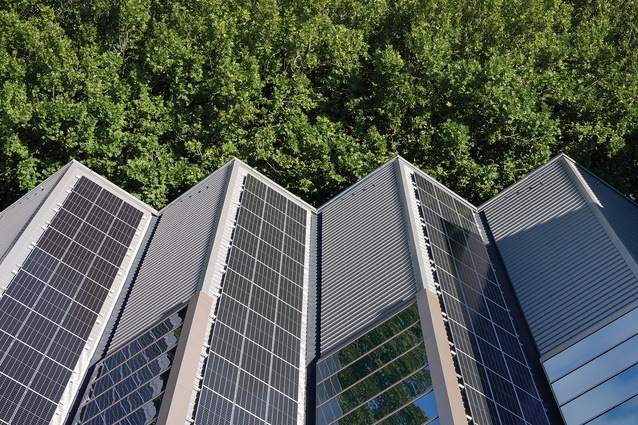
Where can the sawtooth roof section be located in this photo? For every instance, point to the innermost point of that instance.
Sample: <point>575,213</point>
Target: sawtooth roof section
<point>366,264</point>
<point>16,217</point>
<point>566,271</point>
<point>176,257</point>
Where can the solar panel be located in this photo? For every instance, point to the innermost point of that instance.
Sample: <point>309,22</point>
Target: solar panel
<point>133,376</point>
<point>479,324</point>
<point>51,304</point>
<point>255,345</point>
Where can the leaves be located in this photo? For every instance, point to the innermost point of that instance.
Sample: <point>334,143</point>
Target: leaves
<point>155,95</point>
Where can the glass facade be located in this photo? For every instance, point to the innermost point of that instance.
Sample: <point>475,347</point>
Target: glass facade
<point>252,373</point>
<point>381,377</point>
<point>594,379</point>
<point>127,386</point>
<point>497,382</point>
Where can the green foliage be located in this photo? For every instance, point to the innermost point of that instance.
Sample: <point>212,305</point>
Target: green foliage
<point>154,95</point>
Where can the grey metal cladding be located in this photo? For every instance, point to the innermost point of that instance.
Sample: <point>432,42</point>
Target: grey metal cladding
<point>620,212</point>
<point>176,257</point>
<point>366,269</point>
<point>559,257</point>
<point>15,218</point>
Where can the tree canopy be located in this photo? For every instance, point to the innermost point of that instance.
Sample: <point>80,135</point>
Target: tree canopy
<point>154,95</point>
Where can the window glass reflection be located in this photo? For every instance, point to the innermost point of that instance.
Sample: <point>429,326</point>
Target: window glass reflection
<point>378,335</point>
<point>417,413</point>
<point>596,371</point>
<point>382,379</point>
<point>370,362</point>
<point>382,405</point>
<point>624,414</point>
<point>602,397</point>
<point>592,346</point>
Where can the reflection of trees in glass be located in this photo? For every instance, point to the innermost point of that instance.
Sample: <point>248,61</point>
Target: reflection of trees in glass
<point>381,356</point>
<point>409,415</point>
<point>382,379</point>
<point>408,390</point>
<point>378,335</point>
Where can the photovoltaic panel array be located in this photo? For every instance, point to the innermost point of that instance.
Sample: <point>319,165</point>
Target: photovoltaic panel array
<point>497,382</point>
<point>128,385</point>
<point>51,304</point>
<point>252,371</point>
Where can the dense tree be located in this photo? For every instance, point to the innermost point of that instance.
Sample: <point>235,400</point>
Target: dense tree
<point>154,95</point>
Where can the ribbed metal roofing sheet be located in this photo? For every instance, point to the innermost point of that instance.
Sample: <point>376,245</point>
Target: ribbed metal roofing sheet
<point>176,257</point>
<point>366,266</point>
<point>566,272</point>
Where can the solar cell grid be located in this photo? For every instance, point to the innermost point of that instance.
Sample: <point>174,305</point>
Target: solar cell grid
<point>276,199</point>
<point>34,410</point>
<point>13,315</point>
<point>51,379</point>
<point>129,215</point>
<point>91,295</point>
<point>269,256</point>
<point>52,304</point>
<point>112,251</point>
<point>87,188</point>
<point>245,241</point>
<point>65,348</point>
<point>272,235</point>
<point>259,330</point>
<point>266,278</point>
<point>253,203</point>
<point>54,243</point>
<point>249,221</point>
<point>290,293</point>
<point>251,394</point>
<point>102,272</point>
<point>296,212</point>
<point>78,257</point>
<point>471,281</point>
<point>224,376</point>
<point>37,332</point>
<point>77,205</point>
<point>40,264</point>
<point>294,250</point>
<point>256,360</point>
<point>252,185</point>
<point>100,219</point>
<point>21,362</point>
<point>109,202</point>
<point>254,278</point>
<point>28,291</point>
<point>121,232</point>
<point>274,216</point>
<point>79,320</point>
<point>296,231</point>
<point>263,303</point>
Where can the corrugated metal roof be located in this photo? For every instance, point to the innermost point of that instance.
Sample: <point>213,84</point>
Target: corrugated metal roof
<point>566,271</point>
<point>176,256</point>
<point>366,266</point>
<point>15,218</point>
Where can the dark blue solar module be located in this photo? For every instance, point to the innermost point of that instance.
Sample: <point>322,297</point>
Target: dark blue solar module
<point>127,382</point>
<point>498,384</point>
<point>252,372</point>
<point>51,305</point>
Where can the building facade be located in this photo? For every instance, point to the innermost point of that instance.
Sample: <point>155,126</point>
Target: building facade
<point>397,302</point>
